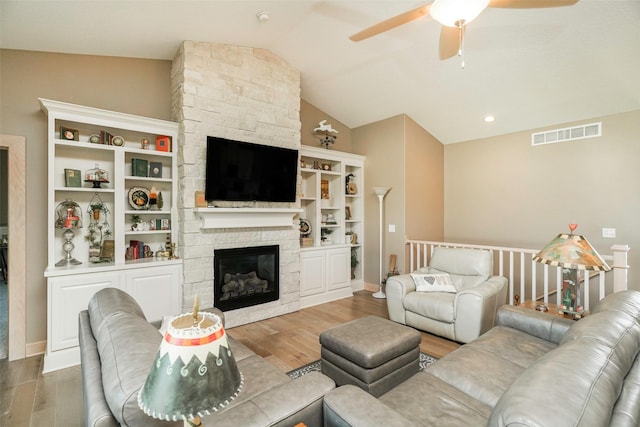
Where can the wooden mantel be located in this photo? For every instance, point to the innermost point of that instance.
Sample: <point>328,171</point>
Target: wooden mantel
<point>212,218</point>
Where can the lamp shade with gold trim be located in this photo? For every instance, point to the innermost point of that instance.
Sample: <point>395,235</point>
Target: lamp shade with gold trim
<point>571,251</point>
<point>194,373</point>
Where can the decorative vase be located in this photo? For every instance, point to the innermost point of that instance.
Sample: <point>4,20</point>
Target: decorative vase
<point>94,253</point>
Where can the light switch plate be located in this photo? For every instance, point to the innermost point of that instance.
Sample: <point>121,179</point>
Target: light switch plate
<point>609,232</point>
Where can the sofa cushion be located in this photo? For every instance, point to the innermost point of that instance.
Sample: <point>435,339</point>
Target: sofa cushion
<point>625,301</point>
<point>127,344</point>
<point>428,401</point>
<point>590,388</point>
<point>111,300</point>
<point>487,366</point>
<point>615,330</point>
<point>460,281</point>
<point>626,412</point>
<point>285,404</point>
<point>433,282</point>
<point>467,268</point>
<point>436,305</point>
<point>462,261</point>
<point>259,376</point>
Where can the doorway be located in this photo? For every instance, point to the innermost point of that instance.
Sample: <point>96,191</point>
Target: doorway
<point>17,237</point>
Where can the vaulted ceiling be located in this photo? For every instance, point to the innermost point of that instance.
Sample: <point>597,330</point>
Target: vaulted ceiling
<point>529,68</point>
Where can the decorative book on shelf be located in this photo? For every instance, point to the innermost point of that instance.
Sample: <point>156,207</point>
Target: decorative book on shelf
<point>139,167</point>
<point>72,178</point>
<point>163,143</point>
<point>155,169</point>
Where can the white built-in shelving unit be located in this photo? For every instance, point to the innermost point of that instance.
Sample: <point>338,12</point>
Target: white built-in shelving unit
<point>155,282</point>
<point>332,254</point>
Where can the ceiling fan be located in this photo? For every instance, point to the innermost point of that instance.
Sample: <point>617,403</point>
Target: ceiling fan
<point>454,15</point>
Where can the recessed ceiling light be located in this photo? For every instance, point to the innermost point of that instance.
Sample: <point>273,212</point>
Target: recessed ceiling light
<point>489,119</point>
<point>263,16</point>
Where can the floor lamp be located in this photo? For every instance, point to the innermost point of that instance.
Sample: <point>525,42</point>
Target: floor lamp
<point>380,192</point>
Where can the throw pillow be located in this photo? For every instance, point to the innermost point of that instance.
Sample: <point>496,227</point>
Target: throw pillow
<point>461,282</point>
<point>433,283</point>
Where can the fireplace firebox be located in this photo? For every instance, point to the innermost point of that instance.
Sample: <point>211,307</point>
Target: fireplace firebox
<point>244,277</point>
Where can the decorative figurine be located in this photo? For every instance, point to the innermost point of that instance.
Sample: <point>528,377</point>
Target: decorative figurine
<point>323,131</point>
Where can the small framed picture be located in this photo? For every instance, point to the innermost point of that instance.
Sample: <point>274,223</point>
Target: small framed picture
<point>155,169</point>
<point>324,189</point>
<point>108,247</point>
<point>68,133</point>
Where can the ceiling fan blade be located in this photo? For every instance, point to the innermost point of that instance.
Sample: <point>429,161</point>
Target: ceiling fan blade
<point>530,4</point>
<point>449,42</point>
<point>390,23</point>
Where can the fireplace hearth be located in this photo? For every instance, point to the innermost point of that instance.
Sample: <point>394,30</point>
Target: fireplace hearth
<point>244,277</point>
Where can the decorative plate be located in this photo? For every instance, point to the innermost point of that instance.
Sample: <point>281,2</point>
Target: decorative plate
<point>139,198</point>
<point>305,228</point>
<point>94,139</point>
<point>118,141</point>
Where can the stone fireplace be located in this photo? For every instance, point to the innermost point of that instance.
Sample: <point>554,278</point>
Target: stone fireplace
<point>244,277</point>
<point>244,94</point>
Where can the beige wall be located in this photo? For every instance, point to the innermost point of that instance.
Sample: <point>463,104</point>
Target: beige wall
<point>503,191</point>
<point>135,86</point>
<point>383,144</point>
<point>424,183</point>
<point>401,155</point>
<point>310,117</point>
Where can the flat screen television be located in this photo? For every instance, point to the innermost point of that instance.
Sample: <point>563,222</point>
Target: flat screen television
<point>241,172</point>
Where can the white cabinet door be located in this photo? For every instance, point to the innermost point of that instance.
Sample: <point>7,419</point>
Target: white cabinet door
<point>338,268</point>
<point>312,272</point>
<point>156,289</point>
<point>68,296</point>
<point>324,275</point>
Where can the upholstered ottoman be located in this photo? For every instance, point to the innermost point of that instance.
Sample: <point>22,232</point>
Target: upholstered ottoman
<point>372,353</point>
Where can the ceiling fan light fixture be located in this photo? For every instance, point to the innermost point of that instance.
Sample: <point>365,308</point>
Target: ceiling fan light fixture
<point>455,13</point>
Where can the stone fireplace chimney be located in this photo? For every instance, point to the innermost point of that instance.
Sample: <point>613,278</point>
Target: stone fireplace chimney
<point>244,94</point>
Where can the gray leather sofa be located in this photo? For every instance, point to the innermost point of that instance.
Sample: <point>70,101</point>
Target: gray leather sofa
<point>531,369</point>
<point>118,346</point>
<point>462,314</point>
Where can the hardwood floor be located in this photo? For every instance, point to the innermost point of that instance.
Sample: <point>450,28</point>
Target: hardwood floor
<point>28,398</point>
<point>291,341</point>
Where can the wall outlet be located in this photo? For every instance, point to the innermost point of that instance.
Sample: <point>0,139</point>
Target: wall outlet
<point>609,232</point>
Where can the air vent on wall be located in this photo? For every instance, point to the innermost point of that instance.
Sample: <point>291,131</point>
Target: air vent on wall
<point>567,134</point>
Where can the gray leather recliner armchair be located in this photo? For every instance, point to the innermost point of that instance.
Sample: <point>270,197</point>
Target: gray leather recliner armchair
<point>461,315</point>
